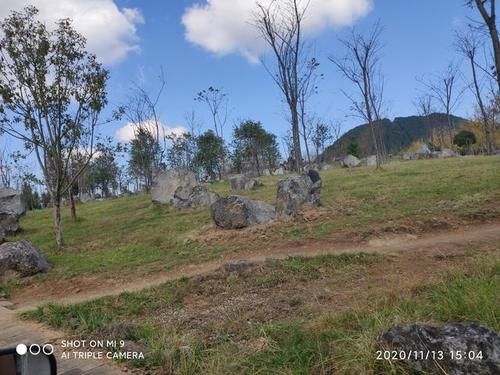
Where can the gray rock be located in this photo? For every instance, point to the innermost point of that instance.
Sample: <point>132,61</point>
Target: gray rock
<point>197,197</point>
<point>266,172</point>
<point>327,167</point>
<point>166,183</point>
<point>235,212</point>
<point>457,337</point>
<point>11,202</point>
<point>238,266</point>
<point>446,153</point>
<point>424,152</point>
<point>240,182</point>
<point>23,258</point>
<point>351,161</point>
<point>11,208</point>
<point>280,171</point>
<point>297,192</point>
<point>371,161</point>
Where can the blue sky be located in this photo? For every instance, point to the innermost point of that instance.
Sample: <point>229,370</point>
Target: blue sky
<point>418,40</point>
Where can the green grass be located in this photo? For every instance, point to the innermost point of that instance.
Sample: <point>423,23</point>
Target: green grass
<point>130,237</point>
<point>325,343</point>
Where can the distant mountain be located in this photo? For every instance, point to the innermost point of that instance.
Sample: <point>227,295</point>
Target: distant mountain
<point>397,135</point>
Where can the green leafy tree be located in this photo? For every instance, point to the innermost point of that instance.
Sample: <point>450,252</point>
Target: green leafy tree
<point>210,154</point>
<point>321,135</point>
<point>254,147</point>
<point>354,149</point>
<point>104,169</point>
<point>52,92</point>
<point>144,151</point>
<point>31,197</point>
<point>464,139</point>
<point>182,151</point>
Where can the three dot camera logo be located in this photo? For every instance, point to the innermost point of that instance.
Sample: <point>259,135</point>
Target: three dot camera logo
<point>35,349</point>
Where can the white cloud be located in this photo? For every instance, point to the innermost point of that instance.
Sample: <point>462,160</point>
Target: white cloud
<point>225,26</point>
<point>111,32</point>
<point>127,132</point>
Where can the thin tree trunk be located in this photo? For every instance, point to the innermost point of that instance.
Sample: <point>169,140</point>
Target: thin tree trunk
<point>57,223</point>
<point>72,206</point>
<point>296,141</point>
<point>490,20</point>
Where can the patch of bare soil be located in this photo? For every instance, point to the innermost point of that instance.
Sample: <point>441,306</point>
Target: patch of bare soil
<point>83,288</point>
<point>236,303</point>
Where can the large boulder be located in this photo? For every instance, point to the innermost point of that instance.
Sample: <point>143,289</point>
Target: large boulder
<point>235,212</point>
<point>11,208</point>
<point>240,182</point>
<point>298,192</point>
<point>351,161</point>
<point>197,197</point>
<point>166,183</point>
<point>464,340</point>
<point>23,258</point>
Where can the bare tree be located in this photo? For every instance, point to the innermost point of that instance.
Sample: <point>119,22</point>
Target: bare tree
<point>280,25</point>
<point>361,66</point>
<point>308,87</point>
<point>468,45</point>
<point>424,105</point>
<point>142,112</point>
<point>489,18</point>
<point>216,100</point>
<point>443,89</point>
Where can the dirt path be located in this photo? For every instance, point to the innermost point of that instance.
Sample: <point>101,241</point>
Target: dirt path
<point>16,332</point>
<point>391,244</point>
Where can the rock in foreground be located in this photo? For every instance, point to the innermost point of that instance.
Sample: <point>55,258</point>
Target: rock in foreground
<point>298,192</point>
<point>464,340</point>
<point>197,197</point>
<point>165,184</point>
<point>235,212</point>
<point>23,258</point>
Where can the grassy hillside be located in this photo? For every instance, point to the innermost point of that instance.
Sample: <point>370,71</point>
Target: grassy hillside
<point>319,315</point>
<point>129,237</point>
<point>397,135</point>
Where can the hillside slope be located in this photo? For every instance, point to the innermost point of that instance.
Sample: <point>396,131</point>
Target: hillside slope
<point>397,134</point>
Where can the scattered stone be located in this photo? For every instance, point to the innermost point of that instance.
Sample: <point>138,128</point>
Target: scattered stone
<point>235,212</point>
<point>11,208</point>
<point>371,161</point>
<point>238,266</point>
<point>197,197</point>
<point>423,152</point>
<point>266,172</point>
<point>85,197</point>
<point>297,192</point>
<point>351,161</point>
<point>23,258</point>
<point>327,167</point>
<point>463,339</point>
<point>166,183</point>
<point>280,171</point>
<point>446,153</point>
<point>240,182</point>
